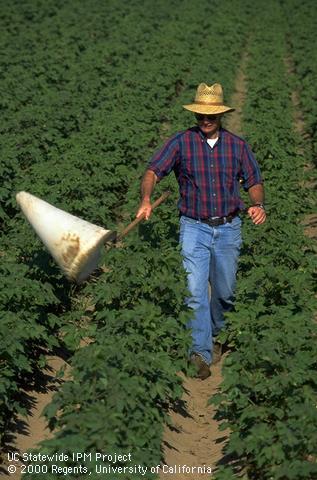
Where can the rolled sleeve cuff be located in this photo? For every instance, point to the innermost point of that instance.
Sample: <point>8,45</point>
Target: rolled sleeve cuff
<point>157,171</point>
<point>251,182</point>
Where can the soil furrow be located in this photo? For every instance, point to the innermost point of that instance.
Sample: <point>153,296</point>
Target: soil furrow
<point>30,431</point>
<point>310,220</point>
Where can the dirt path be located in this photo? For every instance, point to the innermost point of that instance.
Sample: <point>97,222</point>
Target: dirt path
<point>310,221</point>
<point>28,432</point>
<point>194,440</point>
<point>234,120</point>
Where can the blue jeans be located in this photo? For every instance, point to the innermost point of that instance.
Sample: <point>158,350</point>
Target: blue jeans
<point>210,254</point>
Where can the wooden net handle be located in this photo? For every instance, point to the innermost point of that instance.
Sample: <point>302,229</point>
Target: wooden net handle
<point>139,219</point>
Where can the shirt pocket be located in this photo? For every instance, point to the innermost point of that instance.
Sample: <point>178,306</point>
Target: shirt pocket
<point>189,172</point>
<point>230,173</point>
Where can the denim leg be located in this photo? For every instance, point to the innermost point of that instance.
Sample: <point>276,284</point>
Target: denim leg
<point>195,242</point>
<point>223,268</point>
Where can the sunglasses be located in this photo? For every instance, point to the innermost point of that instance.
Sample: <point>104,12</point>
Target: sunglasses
<point>202,116</point>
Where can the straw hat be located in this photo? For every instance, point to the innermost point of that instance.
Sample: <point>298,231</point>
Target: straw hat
<point>208,100</point>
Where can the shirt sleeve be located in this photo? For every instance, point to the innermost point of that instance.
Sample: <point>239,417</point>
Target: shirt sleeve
<point>165,158</point>
<point>251,173</point>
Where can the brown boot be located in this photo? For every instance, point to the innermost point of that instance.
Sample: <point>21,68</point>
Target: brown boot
<point>203,370</point>
<point>216,352</point>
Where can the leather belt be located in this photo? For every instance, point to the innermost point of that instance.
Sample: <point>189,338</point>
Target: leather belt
<point>214,222</point>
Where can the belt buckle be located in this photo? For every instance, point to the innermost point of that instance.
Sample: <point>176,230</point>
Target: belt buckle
<point>213,221</point>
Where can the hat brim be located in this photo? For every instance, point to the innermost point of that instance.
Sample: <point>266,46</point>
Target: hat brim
<point>208,109</point>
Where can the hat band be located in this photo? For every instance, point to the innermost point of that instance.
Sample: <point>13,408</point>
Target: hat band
<point>209,103</point>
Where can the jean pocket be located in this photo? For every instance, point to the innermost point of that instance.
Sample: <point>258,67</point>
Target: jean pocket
<point>187,220</point>
<point>236,223</point>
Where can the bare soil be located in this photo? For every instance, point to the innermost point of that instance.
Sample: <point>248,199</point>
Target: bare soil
<point>28,432</point>
<point>309,222</point>
<point>194,440</point>
<point>233,121</point>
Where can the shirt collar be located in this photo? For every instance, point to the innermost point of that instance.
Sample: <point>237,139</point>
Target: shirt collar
<point>203,137</point>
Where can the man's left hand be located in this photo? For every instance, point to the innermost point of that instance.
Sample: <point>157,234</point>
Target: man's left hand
<point>257,215</point>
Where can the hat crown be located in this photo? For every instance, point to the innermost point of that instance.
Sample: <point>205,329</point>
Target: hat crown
<point>209,100</point>
<point>209,95</point>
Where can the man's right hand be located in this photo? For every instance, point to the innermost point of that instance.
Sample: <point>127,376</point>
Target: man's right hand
<point>147,186</point>
<point>144,208</point>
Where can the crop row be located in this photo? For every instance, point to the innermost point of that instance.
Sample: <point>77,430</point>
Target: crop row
<point>44,110</point>
<point>301,19</point>
<point>269,392</point>
<point>88,97</point>
<point>141,343</point>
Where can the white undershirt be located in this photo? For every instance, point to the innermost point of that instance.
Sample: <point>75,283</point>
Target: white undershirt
<point>211,141</point>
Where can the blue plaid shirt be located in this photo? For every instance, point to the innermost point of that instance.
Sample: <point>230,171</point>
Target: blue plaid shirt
<point>208,178</point>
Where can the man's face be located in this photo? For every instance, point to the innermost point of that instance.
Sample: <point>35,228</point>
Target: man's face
<point>209,124</point>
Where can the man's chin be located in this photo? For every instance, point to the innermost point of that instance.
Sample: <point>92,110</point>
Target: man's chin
<point>208,131</point>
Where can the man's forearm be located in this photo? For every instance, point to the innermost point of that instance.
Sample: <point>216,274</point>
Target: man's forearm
<point>256,193</point>
<point>148,183</point>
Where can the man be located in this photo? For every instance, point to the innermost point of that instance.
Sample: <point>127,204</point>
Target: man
<point>209,163</point>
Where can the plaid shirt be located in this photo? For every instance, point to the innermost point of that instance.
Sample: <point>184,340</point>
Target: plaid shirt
<point>208,177</point>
